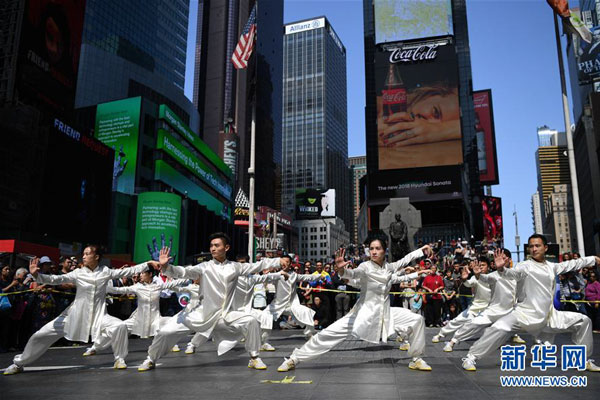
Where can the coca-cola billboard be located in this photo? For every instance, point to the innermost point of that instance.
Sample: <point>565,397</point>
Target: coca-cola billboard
<point>418,113</point>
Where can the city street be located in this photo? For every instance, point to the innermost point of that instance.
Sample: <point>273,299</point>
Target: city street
<point>354,370</point>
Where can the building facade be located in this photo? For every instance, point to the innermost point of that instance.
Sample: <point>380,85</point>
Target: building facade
<point>315,133</point>
<point>536,213</point>
<point>358,169</point>
<point>560,219</point>
<point>319,239</point>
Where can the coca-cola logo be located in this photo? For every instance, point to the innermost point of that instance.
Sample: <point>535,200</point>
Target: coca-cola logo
<point>421,53</point>
<point>394,96</point>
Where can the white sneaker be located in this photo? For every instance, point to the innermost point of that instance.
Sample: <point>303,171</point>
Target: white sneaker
<point>589,366</point>
<point>469,363</point>
<point>176,349</point>
<point>120,364</point>
<point>287,365</point>
<point>517,339</point>
<point>405,346</point>
<point>449,347</point>
<point>267,347</point>
<point>256,363</point>
<point>147,365</point>
<point>419,364</point>
<point>13,369</point>
<point>436,339</point>
<point>190,349</point>
<point>90,352</point>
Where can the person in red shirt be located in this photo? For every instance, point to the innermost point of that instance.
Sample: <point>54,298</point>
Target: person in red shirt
<point>434,284</point>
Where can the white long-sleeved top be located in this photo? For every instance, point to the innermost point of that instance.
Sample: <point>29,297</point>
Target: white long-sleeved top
<point>193,291</point>
<point>217,286</point>
<point>84,315</point>
<point>539,284</point>
<point>286,299</point>
<point>145,319</point>
<point>242,298</point>
<point>372,319</point>
<point>504,294</point>
<point>482,296</point>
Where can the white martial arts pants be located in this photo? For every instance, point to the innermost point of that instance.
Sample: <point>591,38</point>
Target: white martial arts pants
<point>454,324</point>
<point>496,335</point>
<point>473,328</point>
<point>104,341</point>
<point>113,330</point>
<point>341,329</point>
<point>176,328</point>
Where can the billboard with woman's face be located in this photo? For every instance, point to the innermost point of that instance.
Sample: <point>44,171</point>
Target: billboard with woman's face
<point>418,112</point>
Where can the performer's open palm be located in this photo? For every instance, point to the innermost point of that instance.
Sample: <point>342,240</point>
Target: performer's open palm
<point>499,258</point>
<point>340,262</point>
<point>163,257</point>
<point>34,266</point>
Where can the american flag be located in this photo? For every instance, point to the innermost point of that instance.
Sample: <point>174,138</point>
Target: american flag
<point>243,50</point>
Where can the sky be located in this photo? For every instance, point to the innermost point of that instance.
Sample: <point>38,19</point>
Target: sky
<point>513,52</point>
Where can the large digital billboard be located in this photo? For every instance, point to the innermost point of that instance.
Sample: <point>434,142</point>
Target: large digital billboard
<point>588,57</point>
<point>75,200</point>
<point>418,111</point>
<point>486,137</point>
<point>315,203</point>
<point>117,126</point>
<point>492,218</point>
<point>49,52</point>
<point>401,20</point>
<point>418,184</point>
<point>157,224</point>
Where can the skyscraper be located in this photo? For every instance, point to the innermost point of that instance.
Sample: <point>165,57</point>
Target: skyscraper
<point>536,213</point>
<point>315,136</point>
<point>135,48</point>
<point>358,169</point>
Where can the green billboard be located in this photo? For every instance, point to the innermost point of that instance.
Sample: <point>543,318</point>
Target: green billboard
<point>185,157</point>
<point>117,126</point>
<point>157,224</point>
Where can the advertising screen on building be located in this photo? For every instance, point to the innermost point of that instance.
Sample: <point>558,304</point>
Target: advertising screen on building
<point>117,126</point>
<point>49,52</point>
<point>486,137</point>
<point>492,218</point>
<point>75,201</point>
<point>315,203</point>
<point>400,20</point>
<point>418,112</point>
<point>418,184</point>
<point>588,57</point>
<point>157,224</point>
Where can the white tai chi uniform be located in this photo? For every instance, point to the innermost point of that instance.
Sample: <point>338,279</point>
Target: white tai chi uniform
<point>483,294</point>
<point>218,284</point>
<point>145,320</point>
<point>536,312</point>
<point>286,302</point>
<point>85,317</point>
<point>504,296</point>
<point>242,302</point>
<point>371,318</point>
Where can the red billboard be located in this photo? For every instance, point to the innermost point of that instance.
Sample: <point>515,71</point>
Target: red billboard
<point>49,52</point>
<point>493,228</point>
<point>486,137</point>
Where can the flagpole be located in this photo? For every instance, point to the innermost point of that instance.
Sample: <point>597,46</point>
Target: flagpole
<point>570,150</point>
<point>252,159</point>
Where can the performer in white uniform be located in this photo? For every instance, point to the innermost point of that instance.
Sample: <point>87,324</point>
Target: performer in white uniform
<point>536,312</point>
<point>146,319</point>
<point>286,302</point>
<point>483,294</point>
<point>504,298</point>
<point>86,316</point>
<point>371,318</point>
<point>219,280</point>
<point>242,302</point>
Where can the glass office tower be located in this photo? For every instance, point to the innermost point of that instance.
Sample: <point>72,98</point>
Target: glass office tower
<point>315,131</point>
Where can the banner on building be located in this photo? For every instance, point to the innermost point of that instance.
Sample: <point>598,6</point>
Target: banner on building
<point>315,203</point>
<point>486,137</point>
<point>492,218</point>
<point>157,225</point>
